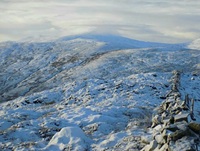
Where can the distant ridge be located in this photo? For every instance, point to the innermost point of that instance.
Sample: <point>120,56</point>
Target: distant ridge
<point>120,42</point>
<point>112,42</point>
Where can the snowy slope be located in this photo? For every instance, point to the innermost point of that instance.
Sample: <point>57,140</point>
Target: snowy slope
<point>195,44</point>
<point>87,92</point>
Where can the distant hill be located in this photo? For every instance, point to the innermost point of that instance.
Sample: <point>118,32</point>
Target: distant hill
<point>195,44</point>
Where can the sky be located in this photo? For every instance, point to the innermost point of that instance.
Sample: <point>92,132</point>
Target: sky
<point>148,20</point>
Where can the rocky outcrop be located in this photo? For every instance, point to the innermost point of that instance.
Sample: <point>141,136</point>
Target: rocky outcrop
<point>173,126</point>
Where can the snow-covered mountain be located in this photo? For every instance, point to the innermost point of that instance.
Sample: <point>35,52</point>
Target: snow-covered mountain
<point>195,44</point>
<point>87,92</point>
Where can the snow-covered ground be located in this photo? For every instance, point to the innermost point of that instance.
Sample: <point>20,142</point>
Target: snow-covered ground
<point>87,92</point>
<point>195,44</point>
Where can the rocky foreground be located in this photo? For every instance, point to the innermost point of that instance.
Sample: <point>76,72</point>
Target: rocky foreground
<point>173,126</point>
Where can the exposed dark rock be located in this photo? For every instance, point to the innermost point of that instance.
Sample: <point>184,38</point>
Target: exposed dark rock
<point>178,134</point>
<point>163,97</point>
<point>172,128</point>
<point>195,127</point>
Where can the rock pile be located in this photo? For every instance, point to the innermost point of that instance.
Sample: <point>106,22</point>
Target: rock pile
<point>173,126</point>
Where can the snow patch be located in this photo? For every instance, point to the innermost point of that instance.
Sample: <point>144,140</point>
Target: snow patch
<point>69,138</point>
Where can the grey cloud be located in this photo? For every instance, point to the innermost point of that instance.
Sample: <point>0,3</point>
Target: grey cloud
<point>143,19</point>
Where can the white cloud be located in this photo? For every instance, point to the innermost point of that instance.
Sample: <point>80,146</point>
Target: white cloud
<point>151,20</point>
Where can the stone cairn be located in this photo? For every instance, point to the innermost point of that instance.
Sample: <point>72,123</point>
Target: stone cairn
<point>173,126</point>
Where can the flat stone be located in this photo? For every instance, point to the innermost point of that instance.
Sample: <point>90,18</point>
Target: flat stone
<point>165,134</point>
<point>165,106</point>
<point>158,128</point>
<point>164,115</point>
<point>164,147</point>
<point>153,145</point>
<point>169,100</point>
<point>156,120</point>
<point>150,147</point>
<point>160,139</point>
<point>155,133</point>
<point>184,106</point>
<point>181,117</point>
<point>172,127</point>
<point>178,111</point>
<point>182,125</point>
<point>146,139</point>
<point>166,122</point>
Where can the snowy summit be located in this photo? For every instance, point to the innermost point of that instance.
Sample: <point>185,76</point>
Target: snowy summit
<point>88,92</point>
<point>195,44</point>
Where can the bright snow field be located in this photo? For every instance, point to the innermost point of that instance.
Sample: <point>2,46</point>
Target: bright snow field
<point>88,92</point>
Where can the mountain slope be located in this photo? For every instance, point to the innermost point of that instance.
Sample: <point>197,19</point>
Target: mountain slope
<point>98,90</point>
<point>195,44</point>
<point>35,65</point>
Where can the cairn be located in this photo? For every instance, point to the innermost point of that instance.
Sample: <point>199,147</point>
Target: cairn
<point>173,126</point>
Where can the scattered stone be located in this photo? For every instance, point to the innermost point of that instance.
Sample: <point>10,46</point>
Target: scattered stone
<point>172,128</point>
<point>160,139</point>
<point>166,122</point>
<point>146,148</point>
<point>153,145</point>
<point>169,100</point>
<point>156,120</point>
<point>164,115</point>
<point>165,134</point>
<point>164,147</point>
<point>158,147</point>
<point>150,147</point>
<point>165,106</point>
<point>158,128</point>
<point>146,139</point>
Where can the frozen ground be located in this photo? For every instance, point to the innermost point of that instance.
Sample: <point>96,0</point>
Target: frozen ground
<point>88,92</point>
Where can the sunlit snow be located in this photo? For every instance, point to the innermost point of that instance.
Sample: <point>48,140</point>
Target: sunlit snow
<point>87,92</point>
